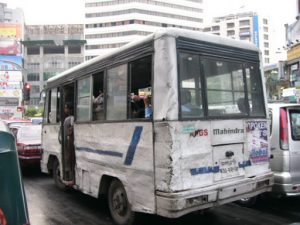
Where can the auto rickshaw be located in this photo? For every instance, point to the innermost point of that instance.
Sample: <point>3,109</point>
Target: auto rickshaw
<point>13,206</point>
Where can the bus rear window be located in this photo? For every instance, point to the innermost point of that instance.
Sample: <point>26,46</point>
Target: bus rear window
<point>216,87</point>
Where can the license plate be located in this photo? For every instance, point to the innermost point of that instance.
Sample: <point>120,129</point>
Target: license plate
<point>229,166</point>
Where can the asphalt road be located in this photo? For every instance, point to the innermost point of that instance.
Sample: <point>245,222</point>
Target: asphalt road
<point>49,206</point>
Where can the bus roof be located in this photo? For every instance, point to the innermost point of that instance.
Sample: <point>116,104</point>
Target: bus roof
<point>173,32</point>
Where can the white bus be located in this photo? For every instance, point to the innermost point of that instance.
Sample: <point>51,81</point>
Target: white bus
<point>206,143</point>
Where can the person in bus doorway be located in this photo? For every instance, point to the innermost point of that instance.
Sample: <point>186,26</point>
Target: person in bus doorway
<point>69,150</point>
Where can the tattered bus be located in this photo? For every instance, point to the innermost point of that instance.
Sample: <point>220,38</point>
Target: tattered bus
<point>205,144</point>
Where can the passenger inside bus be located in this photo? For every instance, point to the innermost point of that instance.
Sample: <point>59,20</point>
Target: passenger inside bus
<point>98,106</point>
<point>187,107</point>
<point>137,107</point>
<point>69,150</point>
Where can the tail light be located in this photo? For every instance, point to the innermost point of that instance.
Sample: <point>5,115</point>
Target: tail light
<point>284,135</point>
<point>29,150</point>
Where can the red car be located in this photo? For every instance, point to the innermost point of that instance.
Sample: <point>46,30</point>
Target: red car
<point>29,146</point>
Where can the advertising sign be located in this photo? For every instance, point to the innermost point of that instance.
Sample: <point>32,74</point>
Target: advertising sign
<point>10,76</point>
<point>10,30</point>
<point>10,85</point>
<point>11,93</point>
<point>255,31</point>
<point>10,36</point>
<point>257,133</point>
<point>10,62</point>
<point>9,101</point>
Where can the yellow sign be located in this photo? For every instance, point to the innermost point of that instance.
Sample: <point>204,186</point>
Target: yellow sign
<point>10,30</point>
<point>293,53</point>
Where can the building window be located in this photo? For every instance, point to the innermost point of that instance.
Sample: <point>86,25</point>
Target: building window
<point>33,65</point>
<point>74,49</point>
<point>54,50</point>
<point>266,37</point>
<point>47,75</point>
<point>230,25</point>
<point>266,44</point>
<point>244,22</point>
<point>35,89</point>
<point>266,52</point>
<point>230,32</point>
<point>215,28</point>
<point>266,29</point>
<point>72,64</point>
<point>34,50</point>
<point>265,21</point>
<point>267,60</point>
<point>33,77</point>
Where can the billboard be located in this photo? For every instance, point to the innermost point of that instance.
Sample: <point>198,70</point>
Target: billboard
<point>10,36</point>
<point>10,62</point>
<point>10,76</point>
<point>255,31</point>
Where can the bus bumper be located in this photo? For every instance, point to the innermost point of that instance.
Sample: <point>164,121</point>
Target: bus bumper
<point>177,204</point>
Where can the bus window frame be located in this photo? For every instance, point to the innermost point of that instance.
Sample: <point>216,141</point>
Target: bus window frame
<point>204,86</point>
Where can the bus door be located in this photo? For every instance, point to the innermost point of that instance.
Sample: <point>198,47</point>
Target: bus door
<point>66,134</point>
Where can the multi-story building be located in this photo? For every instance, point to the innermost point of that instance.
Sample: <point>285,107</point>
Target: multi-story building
<point>48,50</point>
<point>110,24</point>
<point>11,32</point>
<point>245,26</point>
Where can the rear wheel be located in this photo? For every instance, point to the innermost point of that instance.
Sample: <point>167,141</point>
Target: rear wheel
<point>119,207</point>
<point>56,176</point>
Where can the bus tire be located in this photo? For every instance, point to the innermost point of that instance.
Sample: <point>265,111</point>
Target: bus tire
<point>56,176</point>
<point>119,207</point>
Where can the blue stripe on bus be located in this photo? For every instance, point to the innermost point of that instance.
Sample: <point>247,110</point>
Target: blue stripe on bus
<point>133,144</point>
<point>244,164</point>
<point>203,170</point>
<point>100,152</point>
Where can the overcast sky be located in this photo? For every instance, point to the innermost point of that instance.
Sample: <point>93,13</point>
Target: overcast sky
<point>72,11</point>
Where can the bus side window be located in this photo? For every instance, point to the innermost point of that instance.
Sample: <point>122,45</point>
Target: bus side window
<point>140,88</point>
<point>98,96</point>
<point>54,96</point>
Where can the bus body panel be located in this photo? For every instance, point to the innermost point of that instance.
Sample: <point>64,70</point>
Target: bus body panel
<point>195,171</point>
<point>50,145</point>
<point>190,154</point>
<point>120,150</point>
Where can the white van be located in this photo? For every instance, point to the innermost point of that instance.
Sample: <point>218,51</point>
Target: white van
<point>285,147</point>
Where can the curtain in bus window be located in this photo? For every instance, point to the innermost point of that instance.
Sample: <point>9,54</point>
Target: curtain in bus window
<point>117,93</point>
<point>225,87</point>
<point>190,86</point>
<point>255,91</point>
<point>84,100</point>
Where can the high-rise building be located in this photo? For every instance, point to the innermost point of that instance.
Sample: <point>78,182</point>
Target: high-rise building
<point>49,50</point>
<point>247,27</point>
<point>11,71</point>
<point>110,24</point>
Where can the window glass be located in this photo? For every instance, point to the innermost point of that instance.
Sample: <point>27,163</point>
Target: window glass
<point>53,106</point>
<point>84,99</point>
<point>255,91</point>
<point>190,86</point>
<point>295,124</point>
<point>140,88</point>
<point>117,93</point>
<point>225,87</point>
